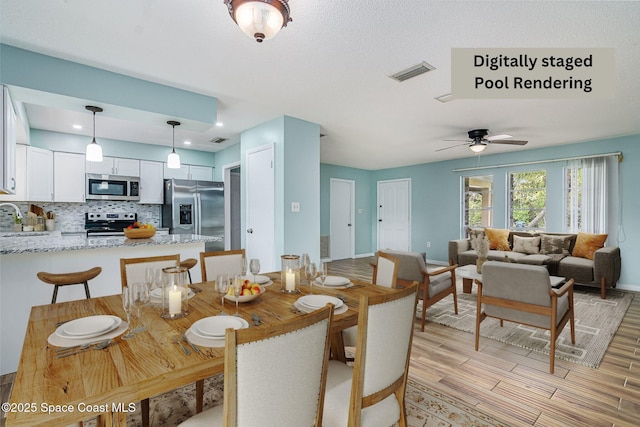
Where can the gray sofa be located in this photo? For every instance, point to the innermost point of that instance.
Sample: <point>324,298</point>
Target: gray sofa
<point>603,271</point>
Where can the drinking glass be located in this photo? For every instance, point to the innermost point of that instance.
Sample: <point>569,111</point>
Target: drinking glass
<point>126,304</point>
<point>149,277</point>
<point>243,266</point>
<point>254,267</point>
<point>222,287</point>
<point>323,272</point>
<point>304,263</point>
<point>237,287</point>
<point>312,272</point>
<point>139,296</point>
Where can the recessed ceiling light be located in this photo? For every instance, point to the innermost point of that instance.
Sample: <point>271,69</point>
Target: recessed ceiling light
<point>187,143</point>
<point>77,126</point>
<point>219,124</point>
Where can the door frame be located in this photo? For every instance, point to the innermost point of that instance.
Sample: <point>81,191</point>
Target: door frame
<point>408,180</point>
<point>352,203</point>
<point>226,179</point>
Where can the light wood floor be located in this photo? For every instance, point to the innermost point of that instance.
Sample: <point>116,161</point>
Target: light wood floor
<point>514,384</point>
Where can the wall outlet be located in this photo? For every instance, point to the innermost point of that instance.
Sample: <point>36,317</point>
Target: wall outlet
<point>295,206</point>
<point>428,244</point>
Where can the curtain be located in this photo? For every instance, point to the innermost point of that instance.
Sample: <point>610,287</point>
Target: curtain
<point>594,195</point>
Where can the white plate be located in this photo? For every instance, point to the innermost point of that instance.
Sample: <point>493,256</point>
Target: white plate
<point>116,321</point>
<point>215,326</point>
<point>319,301</point>
<point>333,281</point>
<point>307,309</point>
<point>58,341</point>
<point>88,325</point>
<point>260,280</point>
<point>203,342</point>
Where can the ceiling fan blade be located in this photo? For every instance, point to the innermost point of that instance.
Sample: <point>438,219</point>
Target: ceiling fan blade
<point>458,140</point>
<point>451,146</point>
<point>509,142</point>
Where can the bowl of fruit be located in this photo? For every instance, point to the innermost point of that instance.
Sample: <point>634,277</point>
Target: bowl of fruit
<point>248,292</point>
<point>139,231</point>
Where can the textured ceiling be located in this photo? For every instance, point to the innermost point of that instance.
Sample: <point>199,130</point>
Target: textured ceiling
<point>331,66</point>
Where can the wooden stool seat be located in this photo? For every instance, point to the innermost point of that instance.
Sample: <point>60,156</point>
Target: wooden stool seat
<point>189,263</point>
<point>65,279</point>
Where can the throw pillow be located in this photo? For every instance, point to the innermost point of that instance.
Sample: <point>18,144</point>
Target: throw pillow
<point>555,244</point>
<point>498,239</point>
<point>474,232</point>
<point>526,245</point>
<point>587,244</point>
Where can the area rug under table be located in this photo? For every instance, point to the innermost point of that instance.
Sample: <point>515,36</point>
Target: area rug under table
<point>596,321</point>
<point>425,407</point>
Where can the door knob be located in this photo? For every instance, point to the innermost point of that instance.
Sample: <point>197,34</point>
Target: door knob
<point>250,230</point>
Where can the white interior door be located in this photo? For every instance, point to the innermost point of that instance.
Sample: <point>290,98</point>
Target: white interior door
<point>260,220</point>
<point>342,205</point>
<point>394,215</point>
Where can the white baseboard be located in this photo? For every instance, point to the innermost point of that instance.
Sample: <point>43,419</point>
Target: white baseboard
<point>628,287</point>
<point>364,255</point>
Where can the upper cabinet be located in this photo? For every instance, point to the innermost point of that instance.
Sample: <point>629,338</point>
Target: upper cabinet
<point>182,173</point>
<point>151,182</point>
<point>21,177</point>
<point>8,148</point>
<point>114,166</point>
<point>68,177</point>
<point>201,173</point>
<point>39,174</point>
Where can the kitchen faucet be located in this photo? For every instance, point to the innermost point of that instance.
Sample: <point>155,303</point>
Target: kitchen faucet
<point>18,214</point>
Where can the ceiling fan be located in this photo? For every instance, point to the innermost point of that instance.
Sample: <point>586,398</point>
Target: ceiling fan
<point>479,139</point>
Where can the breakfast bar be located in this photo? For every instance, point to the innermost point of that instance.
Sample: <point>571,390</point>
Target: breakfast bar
<point>21,258</point>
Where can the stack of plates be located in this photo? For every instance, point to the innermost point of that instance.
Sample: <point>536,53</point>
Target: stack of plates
<point>156,295</point>
<point>309,303</point>
<point>209,332</point>
<point>334,282</point>
<point>87,329</point>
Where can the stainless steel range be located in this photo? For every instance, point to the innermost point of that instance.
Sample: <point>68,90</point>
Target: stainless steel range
<point>107,223</point>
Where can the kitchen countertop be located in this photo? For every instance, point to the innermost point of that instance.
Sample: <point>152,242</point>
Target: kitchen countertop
<point>32,243</point>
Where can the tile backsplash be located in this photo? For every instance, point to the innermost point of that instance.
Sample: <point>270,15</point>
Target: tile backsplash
<point>70,216</point>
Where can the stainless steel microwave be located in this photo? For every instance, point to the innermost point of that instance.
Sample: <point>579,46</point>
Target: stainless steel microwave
<point>112,187</point>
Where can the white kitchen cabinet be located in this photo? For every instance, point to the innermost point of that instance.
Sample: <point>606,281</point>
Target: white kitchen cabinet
<point>21,177</point>
<point>114,166</point>
<point>39,175</point>
<point>182,173</point>
<point>201,173</point>
<point>7,143</point>
<point>68,177</point>
<point>151,182</point>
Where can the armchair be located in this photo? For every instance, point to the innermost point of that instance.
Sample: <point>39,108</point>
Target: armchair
<point>523,294</point>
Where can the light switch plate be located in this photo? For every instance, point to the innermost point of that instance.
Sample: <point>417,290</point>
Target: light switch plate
<point>295,206</point>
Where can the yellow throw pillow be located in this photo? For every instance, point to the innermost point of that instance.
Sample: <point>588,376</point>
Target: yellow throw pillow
<point>498,239</point>
<point>587,244</point>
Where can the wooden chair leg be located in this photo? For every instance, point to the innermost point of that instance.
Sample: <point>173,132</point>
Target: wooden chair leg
<point>199,395</point>
<point>603,288</point>
<point>424,314</point>
<point>145,409</point>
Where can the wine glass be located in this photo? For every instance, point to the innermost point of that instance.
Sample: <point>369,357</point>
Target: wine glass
<point>149,277</point>
<point>304,263</point>
<point>126,304</point>
<point>222,287</point>
<point>254,267</point>
<point>237,287</point>
<point>312,272</point>
<point>139,296</point>
<point>243,266</point>
<point>323,272</point>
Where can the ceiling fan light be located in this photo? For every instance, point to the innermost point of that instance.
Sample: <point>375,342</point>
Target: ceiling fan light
<point>477,147</point>
<point>93,152</point>
<point>259,19</point>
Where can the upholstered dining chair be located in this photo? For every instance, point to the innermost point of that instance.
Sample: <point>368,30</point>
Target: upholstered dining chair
<point>372,393</point>
<point>435,285</point>
<point>133,269</point>
<point>523,294</point>
<point>274,376</point>
<point>221,262</point>
<point>385,273</point>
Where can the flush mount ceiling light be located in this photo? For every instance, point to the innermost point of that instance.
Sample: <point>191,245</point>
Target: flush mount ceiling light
<point>260,19</point>
<point>173,160</point>
<point>94,151</point>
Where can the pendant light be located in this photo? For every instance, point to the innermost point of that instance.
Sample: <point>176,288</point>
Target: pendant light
<point>173,160</point>
<point>94,151</point>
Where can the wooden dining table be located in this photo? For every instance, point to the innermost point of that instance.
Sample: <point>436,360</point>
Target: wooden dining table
<point>109,383</point>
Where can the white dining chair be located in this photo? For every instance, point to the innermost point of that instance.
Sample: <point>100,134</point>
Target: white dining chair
<point>273,376</point>
<point>221,262</point>
<point>133,270</point>
<point>372,392</point>
<point>385,273</point>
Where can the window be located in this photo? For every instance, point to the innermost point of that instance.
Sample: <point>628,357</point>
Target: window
<point>587,191</point>
<point>477,202</point>
<point>574,196</point>
<point>527,200</point>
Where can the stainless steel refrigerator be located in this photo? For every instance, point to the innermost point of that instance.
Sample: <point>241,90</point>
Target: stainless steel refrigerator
<point>194,207</point>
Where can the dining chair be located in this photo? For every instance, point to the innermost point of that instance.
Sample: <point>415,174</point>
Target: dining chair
<point>523,294</point>
<point>274,376</point>
<point>133,269</point>
<point>221,262</point>
<point>385,273</point>
<point>372,392</point>
<point>434,285</point>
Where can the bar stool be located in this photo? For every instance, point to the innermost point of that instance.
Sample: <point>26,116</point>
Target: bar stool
<point>65,279</point>
<point>189,263</point>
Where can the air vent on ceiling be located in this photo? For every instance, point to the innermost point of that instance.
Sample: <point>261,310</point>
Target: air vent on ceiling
<point>412,72</point>
<point>218,140</point>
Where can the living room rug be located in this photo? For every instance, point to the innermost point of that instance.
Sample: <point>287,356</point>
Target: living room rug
<point>596,322</point>
<point>425,407</point>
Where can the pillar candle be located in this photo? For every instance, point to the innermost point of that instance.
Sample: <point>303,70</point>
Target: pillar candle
<point>175,301</point>
<point>290,283</point>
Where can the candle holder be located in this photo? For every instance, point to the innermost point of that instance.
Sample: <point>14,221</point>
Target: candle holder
<point>290,274</point>
<point>175,293</point>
